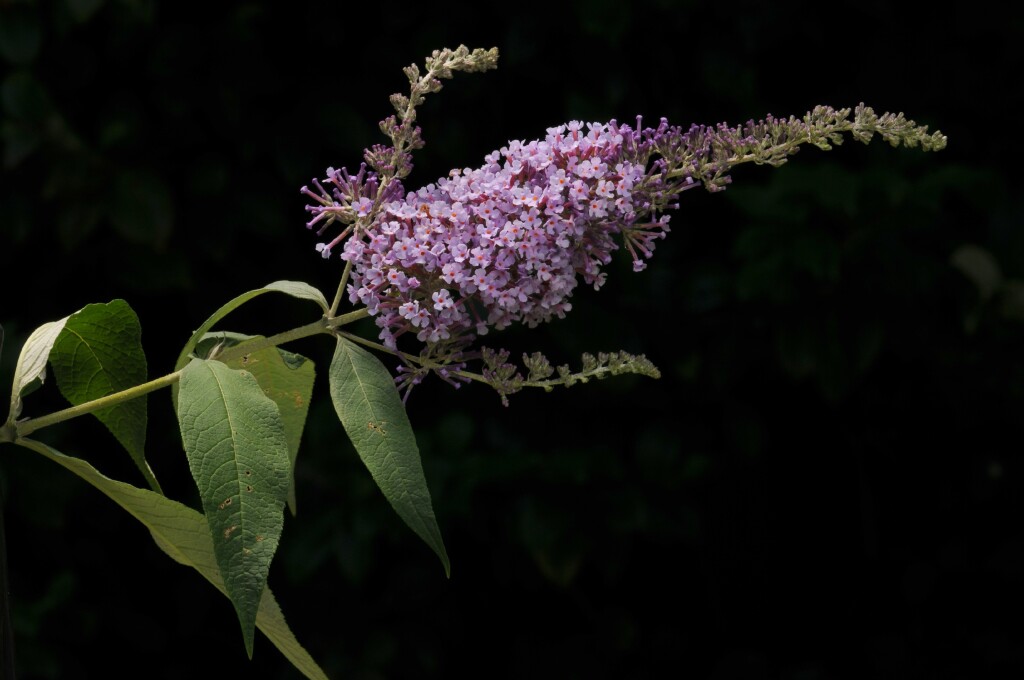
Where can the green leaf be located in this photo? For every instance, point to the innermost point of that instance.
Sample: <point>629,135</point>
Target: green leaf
<point>374,417</point>
<point>183,534</point>
<point>285,377</point>
<point>296,289</point>
<point>288,380</point>
<point>99,352</point>
<point>212,344</point>
<point>238,455</point>
<point>30,370</point>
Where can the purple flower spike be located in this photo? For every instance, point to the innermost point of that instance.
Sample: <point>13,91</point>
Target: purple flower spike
<point>506,242</point>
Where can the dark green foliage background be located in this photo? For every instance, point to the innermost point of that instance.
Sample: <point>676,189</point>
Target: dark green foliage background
<point>826,482</point>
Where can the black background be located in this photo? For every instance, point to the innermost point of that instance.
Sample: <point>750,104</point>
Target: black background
<point>825,483</point>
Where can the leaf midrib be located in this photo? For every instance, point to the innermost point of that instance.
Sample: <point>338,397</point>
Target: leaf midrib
<point>234,448</point>
<point>388,450</point>
<point>103,369</point>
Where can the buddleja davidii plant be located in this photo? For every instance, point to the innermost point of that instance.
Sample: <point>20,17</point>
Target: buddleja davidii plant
<point>436,268</point>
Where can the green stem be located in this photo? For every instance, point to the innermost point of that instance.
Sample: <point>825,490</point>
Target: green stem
<point>341,289</point>
<point>26,427</point>
<point>409,357</point>
<point>372,345</point>
<point>29,426</point>
<point>255,345</point>
<point>346,319</point>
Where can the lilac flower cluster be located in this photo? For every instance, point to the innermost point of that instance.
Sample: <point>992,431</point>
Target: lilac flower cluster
<point>507,242</point>
<point>502,243</point>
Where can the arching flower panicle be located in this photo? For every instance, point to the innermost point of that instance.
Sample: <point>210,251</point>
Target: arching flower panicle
<point>508,242</point>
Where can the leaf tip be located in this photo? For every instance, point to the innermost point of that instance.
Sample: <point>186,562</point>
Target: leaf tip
<point>248,635</point>
<point>443,554</point>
